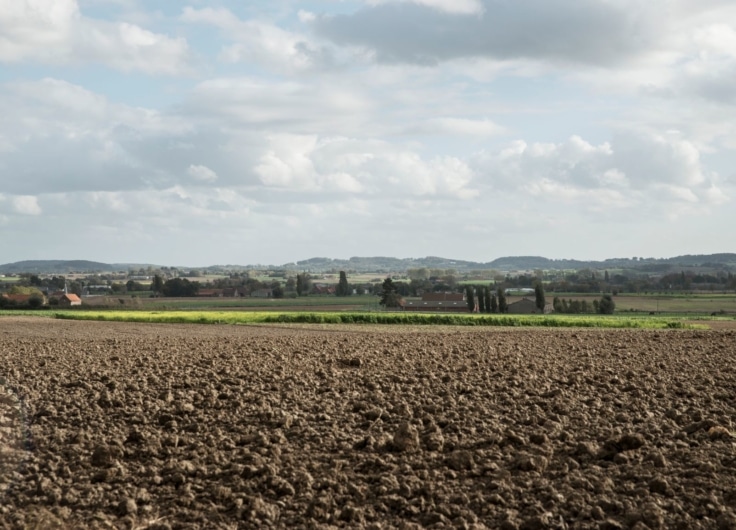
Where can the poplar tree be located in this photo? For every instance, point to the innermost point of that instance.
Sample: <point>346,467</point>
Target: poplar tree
<point>481,300</point>
<point>470,298</point>
<point>539,300</point>
<point>343,289</point>
<point>503,305</point>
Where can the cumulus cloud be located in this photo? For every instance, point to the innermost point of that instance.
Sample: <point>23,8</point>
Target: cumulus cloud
<point>202,173</point>
<point>348,165</point>
<point>26,205</point>
<point>260,42</point>
<point>634,170</point>
<point>62,137</point>
<point>56,32</point>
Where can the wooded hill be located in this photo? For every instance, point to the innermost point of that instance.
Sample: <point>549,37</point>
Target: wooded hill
<point>726,261</point>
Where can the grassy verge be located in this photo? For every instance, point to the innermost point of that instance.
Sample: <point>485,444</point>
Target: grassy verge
<point>252,317</point>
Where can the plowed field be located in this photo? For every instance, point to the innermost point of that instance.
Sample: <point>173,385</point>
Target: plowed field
<point>106,425</point>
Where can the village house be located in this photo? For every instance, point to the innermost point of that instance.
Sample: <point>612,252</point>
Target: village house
<point>69,300</point>
<point>19,299</point>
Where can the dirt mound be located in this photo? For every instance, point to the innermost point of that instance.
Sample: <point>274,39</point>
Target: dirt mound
<point>149,426</point>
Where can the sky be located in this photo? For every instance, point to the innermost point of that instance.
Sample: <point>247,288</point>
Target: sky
<point>193,132</point>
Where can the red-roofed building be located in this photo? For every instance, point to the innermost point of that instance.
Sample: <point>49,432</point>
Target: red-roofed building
<point>69,300</point>
<point>17,298</point>
<point>23,299</point>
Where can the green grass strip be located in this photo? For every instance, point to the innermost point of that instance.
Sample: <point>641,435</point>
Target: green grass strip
<point>387,318</point>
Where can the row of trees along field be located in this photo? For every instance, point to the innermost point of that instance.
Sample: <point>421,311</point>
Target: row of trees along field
<point>593,281</point>
<point>487,299</point>
<point>604,306</point>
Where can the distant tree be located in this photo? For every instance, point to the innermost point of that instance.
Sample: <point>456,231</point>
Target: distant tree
<point>503,305</point>
<point>179,287</point>
<point>19,289</point>
<point>303,284</point>
<point>606,277</point>
<point>389,294</point>
<point>5,303</point>
<point>494,303</point>
<point>157,285</point>
<point>277,291</point>
<point>35,280</point>
<point>470,298</point>
<point>419,274</point>
<point>606,306</point>
<point>596,306</point>
<point>35,301</point>
<point>539,300</point>
<point>557,304</point>
<point>403,288</point>
<point>343,288</point>
<point>487,298</point>
<point>481,300</point>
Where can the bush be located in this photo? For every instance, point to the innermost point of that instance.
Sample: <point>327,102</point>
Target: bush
<point>34,302</point>
<point>606,306</point>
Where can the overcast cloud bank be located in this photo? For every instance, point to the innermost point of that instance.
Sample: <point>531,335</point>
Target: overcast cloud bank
<point>271,134</point>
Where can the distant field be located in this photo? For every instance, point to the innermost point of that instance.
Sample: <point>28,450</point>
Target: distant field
<point>674,304</point>
<point>312,302</point>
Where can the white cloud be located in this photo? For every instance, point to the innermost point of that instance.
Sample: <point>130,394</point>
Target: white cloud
<point>294,107</point>
<point>455,7</point>
<point>202,173</point>
<point>372,167</point>
<point>62,137</point>
<point>260,42</point>
<point>458,127</point>
<point>26,205</point>
<point>56,32</point>
<point>636,169</point>
<point>306,17</point>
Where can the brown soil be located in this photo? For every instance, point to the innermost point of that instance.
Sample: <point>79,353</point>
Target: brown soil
<point>148,426</point>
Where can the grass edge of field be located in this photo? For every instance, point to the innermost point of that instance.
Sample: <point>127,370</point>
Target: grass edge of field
<point>388,318</point>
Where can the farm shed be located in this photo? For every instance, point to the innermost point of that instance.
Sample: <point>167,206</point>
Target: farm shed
<point>525,306</point>
<point>69,300</point>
